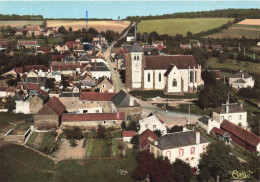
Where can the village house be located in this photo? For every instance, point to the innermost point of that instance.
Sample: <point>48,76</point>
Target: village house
<point>48,117</point>
<point>175,74</point>
<point>66,69</point>
<point>105,85</point>
<point>50,32</point>
<point>187,146</point>
<point>7,91</point>
<point>92,120</point>
<point>97,70</point>
<point>157,43</point>
<point>208,123</point>
<point>221,134</point>
<point>62,49</point>
<point>87,82</point>
<point>4,44</point>
<point>14,73</point>
<point>153,123</point>
<point>58,58</point>
<point>130,37</point>
<point>128,135</point>
<point>241,80</point>
<point>43,50</point>
<point>146,138</point>
<point>99,39</point>
<point>72,44</point>
<point>27,44</point>
<point>124,102</point>
<point>241,136</point>
<point>232,112</point>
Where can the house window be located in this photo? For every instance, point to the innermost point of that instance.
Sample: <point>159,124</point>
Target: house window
<point>160,77</point>
<point>191,76</point>
<point>192,150</point>
<point>181,152</point>
<point>229,118</point>
<point>154,127</point>
<point>146,125</point>
<point>222,118</point>
<point>174,83</point>
<point>104,122</point>
<point>85,111</point>
<point>97,102</point>
<point>168,155</point>
<point>135,57</point>
<point>103,86</point>
<point>97,111</point>
<point>149,77</point>
<point>240,117</point>
<point>114,122</point>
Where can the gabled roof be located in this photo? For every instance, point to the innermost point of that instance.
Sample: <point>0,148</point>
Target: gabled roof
<point>122,99</point>
<point>3,89</point>
<point>30,86</point>
<point>241,133</point>
<point>57,57</point>
<point>136,48</point>
<point>96,96</point>
<point>144,138</point>
<point>163,62</point>
<point>233,108</point>
<point>56,105</point>
<point>128,133</point>
<point>84,57</point>
<point>218,131</point>
<point>19,69</point>
<point>104,78</point>
<point>69,117</point>
<point>168,71</point>
<point>179,139</point>
<point>42,94</point>
<point>33,67</point>
<point>72,44</point>
<point>240,74</point>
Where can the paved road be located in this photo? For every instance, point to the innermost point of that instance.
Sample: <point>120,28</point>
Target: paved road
<point>115,74</point>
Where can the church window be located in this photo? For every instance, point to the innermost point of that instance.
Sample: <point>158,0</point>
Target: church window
<point>191,76</point>
<point>149,77</point>
<point>174,83</point>
<point>135,57</point>
<point>160,77</point>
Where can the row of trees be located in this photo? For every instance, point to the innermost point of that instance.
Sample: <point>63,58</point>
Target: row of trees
<point>20,17</point>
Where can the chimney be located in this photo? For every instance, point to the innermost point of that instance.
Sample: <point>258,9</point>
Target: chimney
<point>197,137</point>
<point>241,104</point>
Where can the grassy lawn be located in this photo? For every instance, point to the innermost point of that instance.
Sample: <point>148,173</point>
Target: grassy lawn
<point>180,25</point>
<point>32,138</point>
<point>5,118</point>
<point>21,164</point>
<point>154,93</point>
<point>233,65</point>
<point>47,140</point>
<point>238,31</point>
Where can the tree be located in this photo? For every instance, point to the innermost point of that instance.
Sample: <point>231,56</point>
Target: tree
<point>158,133</point>
<point>209,77</point>
<point>205,175</point>
<point>123,125</point>
<point>62,30</point>
<point>183,171</point>
<point>218,160</point>
<point>101,131</point>
<point>133,126</point>
<point>176,128</point>
<point>222,58</point>
<point>24,33</point>
<point>70,29</point>
<point>65,83</point>
<point>10,104</point>
<point>135,140</point>
<point>74,133</point>
<point>49,83</point>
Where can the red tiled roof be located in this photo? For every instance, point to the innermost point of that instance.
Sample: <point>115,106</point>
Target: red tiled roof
<point>27,43</point>
<point>10,89</point>
<point>31,86</point>
<point>128,133</point>
<point>96,96</point>
<point>160,47</point>
<point>144,141</point>
<point>55,104</point>
<point>3,89</point>
<point>33,29</point>
<point>33,67</point>
<point>242,133</point>
<point>72,44</point>
<point>45,49</point>
<point>4,43</point>
<point>163,62</point>
<point>42,92</point>
<point>92,117</point>
<point>57,57</point>
<point>218,131</point>
<point>19,69</point>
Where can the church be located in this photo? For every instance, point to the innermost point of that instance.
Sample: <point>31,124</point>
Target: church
<point>175,74</point>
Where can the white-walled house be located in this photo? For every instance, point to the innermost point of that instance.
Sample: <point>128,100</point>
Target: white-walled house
<point>208,123</point>
<point>232,112</point>
<point>171,73</point>
<point>127,135</point>
<point>241,80</point>
<point>153,123</point>
<point>187,146</point>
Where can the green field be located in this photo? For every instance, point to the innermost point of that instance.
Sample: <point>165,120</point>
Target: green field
<point>233,65</point>
<point>22,164</point>
<point>180,25</point>
<point>237,31</point>
<point>20,23</point>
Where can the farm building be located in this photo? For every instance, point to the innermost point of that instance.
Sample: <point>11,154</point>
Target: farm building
<point>241,80</point>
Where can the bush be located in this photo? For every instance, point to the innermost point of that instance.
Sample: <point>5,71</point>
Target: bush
<point>73,143</point>
<point>74,133</point>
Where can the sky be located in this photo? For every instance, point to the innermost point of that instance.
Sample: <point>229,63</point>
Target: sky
<point>113,9</point>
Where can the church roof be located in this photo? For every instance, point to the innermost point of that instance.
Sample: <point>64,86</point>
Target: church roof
<point>163,62</point>
<point>240,74</point>
<point>136,48</point>
<point>169,70</point>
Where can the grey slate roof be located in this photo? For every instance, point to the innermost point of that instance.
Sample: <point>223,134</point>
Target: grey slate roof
<point>122,99</point>
<point>136,48</point>
<point>179,139</point>
<point>233,108</point>
<point>240,81</point>
<point>239,75</point>
<point>69,94</point>
<point>84,57</point>
<point>204,119</point>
